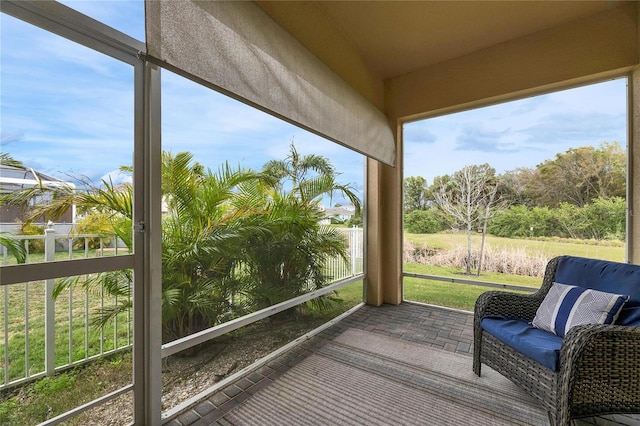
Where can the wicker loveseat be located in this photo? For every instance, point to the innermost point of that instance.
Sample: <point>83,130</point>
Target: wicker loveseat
<point>593,369</point>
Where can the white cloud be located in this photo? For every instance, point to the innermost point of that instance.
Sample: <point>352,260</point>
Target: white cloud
<point>523,133</point>
<point>117,177</point>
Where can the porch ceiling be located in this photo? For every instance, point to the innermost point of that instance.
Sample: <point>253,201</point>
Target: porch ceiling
<point>397,37</point>
<point>410,58</point>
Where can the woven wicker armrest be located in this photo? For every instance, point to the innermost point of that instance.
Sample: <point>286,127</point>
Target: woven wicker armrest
<point>599,371</point>
<point>507,304</point>
<point>512,304</point>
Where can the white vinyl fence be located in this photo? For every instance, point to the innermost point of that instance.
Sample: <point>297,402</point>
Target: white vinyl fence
<point>337,268</point>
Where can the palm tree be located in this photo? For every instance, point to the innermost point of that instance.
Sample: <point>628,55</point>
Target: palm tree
<point>310,177</point>
<point>208,222</point>
<point>289,260</point>
<point>202,236</point>
<point>227,233</point>
<point>295,168</point>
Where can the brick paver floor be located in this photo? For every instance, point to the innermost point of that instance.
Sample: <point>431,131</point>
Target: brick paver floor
<point>439,327</point>
<point>444,328</point>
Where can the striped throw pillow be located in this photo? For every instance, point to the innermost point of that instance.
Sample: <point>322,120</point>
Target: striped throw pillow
<point>566,306</point>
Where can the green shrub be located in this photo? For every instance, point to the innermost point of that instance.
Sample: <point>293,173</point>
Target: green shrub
<point>95,223</point>
<point>520,221</point>
<point>6,409</point>
<point>601,219</point>
<point>35,246</point>
<point>606,219</point>
<point>423,222</point>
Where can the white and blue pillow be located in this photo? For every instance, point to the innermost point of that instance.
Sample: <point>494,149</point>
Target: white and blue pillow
<point>566,306</point>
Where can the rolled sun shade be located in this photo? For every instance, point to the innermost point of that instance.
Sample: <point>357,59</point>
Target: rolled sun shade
<point>236,48</point>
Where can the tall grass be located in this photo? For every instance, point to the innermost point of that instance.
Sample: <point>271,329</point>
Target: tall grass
<point>516,261</point>
<point>606,250</point>
<point>505,261</point>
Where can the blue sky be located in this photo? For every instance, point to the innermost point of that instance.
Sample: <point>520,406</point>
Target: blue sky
<point>68,111</point>
<point>522,133</point>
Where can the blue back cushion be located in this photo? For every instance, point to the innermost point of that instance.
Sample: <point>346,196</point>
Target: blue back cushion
<point>610,277</point>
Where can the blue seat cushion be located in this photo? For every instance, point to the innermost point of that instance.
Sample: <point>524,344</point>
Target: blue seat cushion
<point>607,276</point>
<point>520,335</point>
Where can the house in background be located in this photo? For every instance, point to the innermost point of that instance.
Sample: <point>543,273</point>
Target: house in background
<point>339,214</point>
<point>15,178</point>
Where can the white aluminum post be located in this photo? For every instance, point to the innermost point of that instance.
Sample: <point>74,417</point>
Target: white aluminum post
<point>353,242</point>
<point>49,304</point>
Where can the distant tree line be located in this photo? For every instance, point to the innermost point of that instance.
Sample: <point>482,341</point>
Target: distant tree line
<point>578,194</point>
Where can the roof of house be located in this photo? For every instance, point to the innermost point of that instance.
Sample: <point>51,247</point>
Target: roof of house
<point>340,211</point>
<point>15,178</point>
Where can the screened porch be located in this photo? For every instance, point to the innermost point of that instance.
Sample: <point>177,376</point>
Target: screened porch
<point>353,74</point>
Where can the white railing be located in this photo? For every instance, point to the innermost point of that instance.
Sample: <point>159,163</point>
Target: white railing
<point>42,318</point>
<point>57,332</point>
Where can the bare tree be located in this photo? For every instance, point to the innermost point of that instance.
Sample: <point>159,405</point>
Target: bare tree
<point>489,211</point>
<point>467,198</point>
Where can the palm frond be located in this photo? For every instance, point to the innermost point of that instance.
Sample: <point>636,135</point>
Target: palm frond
<point>115,283</point>
<point>16,247</point>
<point>7,160</point>
<point>104,315</point>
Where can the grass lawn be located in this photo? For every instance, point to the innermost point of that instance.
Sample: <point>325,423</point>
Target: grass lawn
<point>349,296</point>
<point>38,401</point>
<point>459,296</point>
<point>25,328</point>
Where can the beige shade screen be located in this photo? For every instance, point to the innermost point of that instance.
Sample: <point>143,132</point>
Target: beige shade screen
<point>234,47</point>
